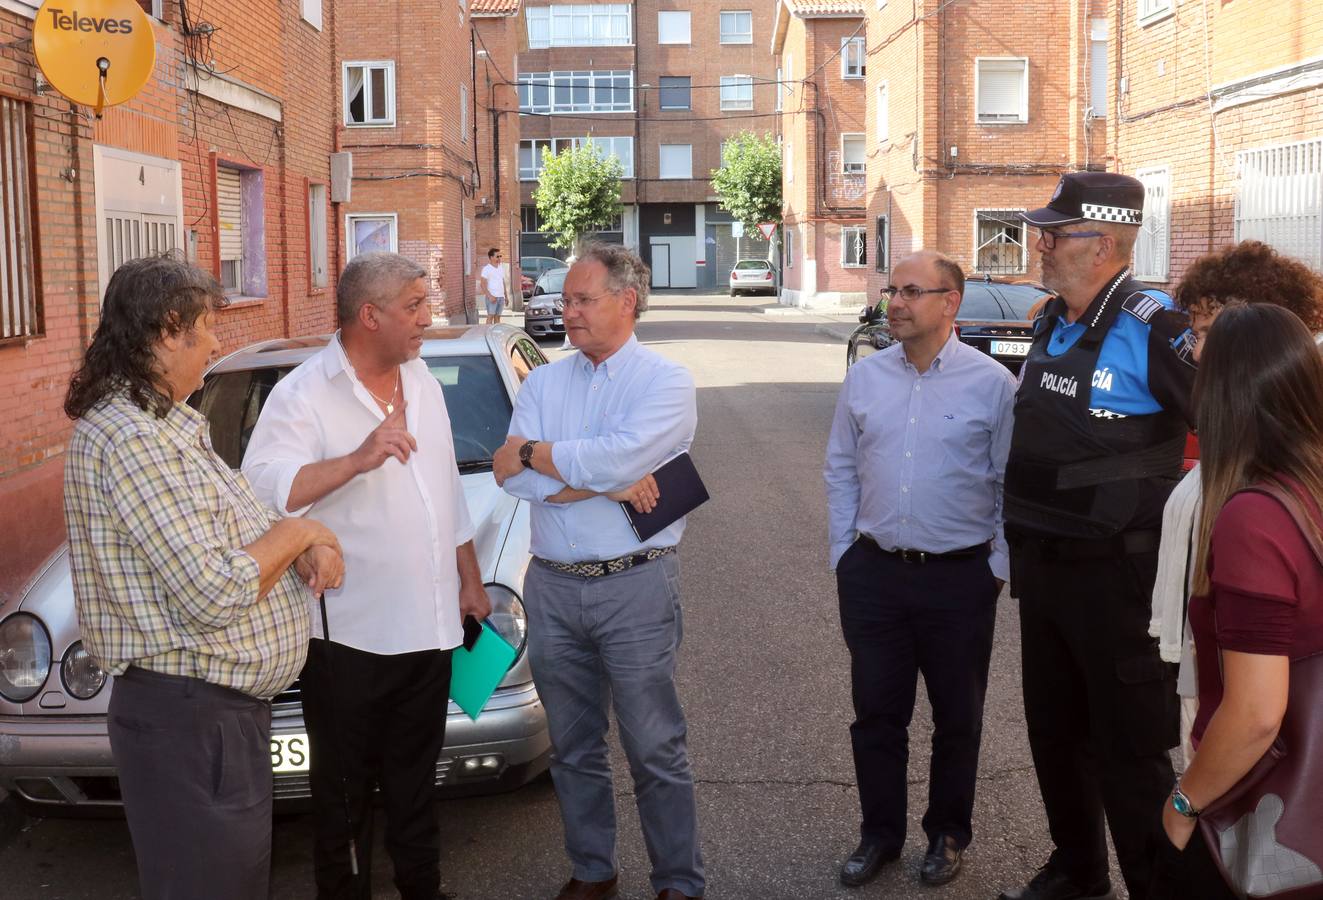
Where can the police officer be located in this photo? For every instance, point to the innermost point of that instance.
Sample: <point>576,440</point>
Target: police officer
<point>1101,418</point>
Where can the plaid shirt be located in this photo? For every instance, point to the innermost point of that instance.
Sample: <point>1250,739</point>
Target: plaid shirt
<point>156,522</point>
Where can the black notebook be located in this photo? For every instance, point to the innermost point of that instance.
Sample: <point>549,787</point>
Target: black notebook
<point>680,492</point>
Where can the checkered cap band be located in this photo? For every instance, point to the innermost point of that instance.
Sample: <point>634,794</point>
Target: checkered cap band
<point>1111,213</point>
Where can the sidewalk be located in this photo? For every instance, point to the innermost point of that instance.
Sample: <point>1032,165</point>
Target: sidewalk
<point>837,323</point>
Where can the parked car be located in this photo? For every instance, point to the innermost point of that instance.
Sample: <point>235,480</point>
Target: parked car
<point>544,314</point>
<point>54,751</point>
<point>995,317</point>
<point>531,269</point>
<point>752,276</point>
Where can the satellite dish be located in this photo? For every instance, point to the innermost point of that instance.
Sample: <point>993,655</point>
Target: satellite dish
<point>97,53</point>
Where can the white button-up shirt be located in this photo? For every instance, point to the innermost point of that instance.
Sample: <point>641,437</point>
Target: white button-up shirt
<point>398,525</point>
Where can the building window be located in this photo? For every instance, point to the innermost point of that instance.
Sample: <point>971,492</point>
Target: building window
<point>370,233</point>
<point>852,58</point>
<point>788,161</point>
<point>466,245</point>
<point>567,92</point>
<point>673,27</point>
<point>579,25</point>
<point>530,153</point>
<point>317,262</point>
<point>464,113</point>
<point>311,10</point>
<point>241,230</point>
<point>529,221</point>
<point>1152,10</point>
<point>854,246</point>
<point>736,92</point>
<point>674,91</point>
<point>369,93</point>
<point>883,114</point>
<point>789,232</point>
<point>675,161</point>
<point>1002,89</point>
<point>1098,68</point>
<point>999,244</point>
<point>229,216</point>
<point>20,301</point>
<point>852,154</point>
<point>1280,199</point>
<point>779,79</point>
<point>1153,246</point>
<point>737,27</point>
<point>882,244</point>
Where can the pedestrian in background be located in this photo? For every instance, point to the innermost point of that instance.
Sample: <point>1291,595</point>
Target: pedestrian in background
<point>914,472</point>
<point>493,285</point>
<point>358,436</point>
<point>1248,272</point>
<point>1257,600</point>
<point>1101,418</point>
<point>189,591</point>
<point>603,606</point>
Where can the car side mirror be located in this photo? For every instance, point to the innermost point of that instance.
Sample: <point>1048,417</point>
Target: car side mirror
<point>538,290</point>
<point>866,314</point>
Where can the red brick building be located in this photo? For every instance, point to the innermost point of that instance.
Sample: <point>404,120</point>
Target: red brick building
<point>1218,109</point>
<point>821,47</point>
<point>496,30</point>
<point>973,113</point>
<point>660,84</point>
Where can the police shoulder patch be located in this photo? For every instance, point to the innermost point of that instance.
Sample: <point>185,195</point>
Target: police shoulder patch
<point>1143,306</point>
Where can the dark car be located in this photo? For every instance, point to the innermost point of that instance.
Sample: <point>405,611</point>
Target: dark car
<point>995,317</point>
<point>543,316</point>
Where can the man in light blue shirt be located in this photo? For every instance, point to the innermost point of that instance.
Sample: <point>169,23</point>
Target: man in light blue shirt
<point>914,473</point>
<point>603,606</point>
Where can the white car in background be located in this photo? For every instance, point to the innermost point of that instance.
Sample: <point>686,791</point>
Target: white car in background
<point>752,276</point>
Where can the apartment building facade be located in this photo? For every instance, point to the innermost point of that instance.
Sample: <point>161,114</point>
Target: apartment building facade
<point>496,31</point>
<point>223,156</point>
<point>821,46</point>
<point>972,115</point>
<point>660,85</point>
<point>1218,109</point>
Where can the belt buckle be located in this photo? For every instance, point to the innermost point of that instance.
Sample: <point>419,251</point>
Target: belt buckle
<point>913,556</point>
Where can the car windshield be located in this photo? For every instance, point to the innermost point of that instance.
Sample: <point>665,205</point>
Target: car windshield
<point>979,304</point>
<point>553,282</point>
<point>1020,298</point>
<point>476,400</point>
<point>752,264</point>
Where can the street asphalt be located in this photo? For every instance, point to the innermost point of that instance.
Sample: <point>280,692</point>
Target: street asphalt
<point>763,675</point>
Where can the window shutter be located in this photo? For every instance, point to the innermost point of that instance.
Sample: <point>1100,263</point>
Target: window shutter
<point>229,207</point>
<point>1000,89</point>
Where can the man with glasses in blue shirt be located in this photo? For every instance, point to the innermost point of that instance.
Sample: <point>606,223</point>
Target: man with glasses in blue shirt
<point>1101,419</point>
<point>914,483</point>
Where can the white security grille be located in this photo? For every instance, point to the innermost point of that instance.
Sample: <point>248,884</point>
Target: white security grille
<point>854,246</point>
<point>1280,200</point>
<point>1000,242</point>
<point>1153,246</point>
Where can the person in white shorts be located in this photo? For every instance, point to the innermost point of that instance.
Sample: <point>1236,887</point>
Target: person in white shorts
<point>493,282</point>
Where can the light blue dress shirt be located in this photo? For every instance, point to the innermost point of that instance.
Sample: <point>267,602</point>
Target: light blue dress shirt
<point>916,460</point>
<point>611,425</point>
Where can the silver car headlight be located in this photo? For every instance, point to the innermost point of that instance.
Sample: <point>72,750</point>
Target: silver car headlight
<point>82,677</point>
<point>508,618</point>
<point>540,310</point>
<point>25,657</point>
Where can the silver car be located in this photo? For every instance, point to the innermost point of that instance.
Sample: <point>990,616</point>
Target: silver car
<point>54,751</point>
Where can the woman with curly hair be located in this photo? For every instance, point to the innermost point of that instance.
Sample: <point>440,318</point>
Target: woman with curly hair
<point>1250,272</point>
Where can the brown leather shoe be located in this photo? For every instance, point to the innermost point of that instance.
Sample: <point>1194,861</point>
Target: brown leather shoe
<point>588,890</point>
<point>673,894</point>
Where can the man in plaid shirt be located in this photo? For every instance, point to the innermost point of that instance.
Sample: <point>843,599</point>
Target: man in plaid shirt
<point>189,591</point>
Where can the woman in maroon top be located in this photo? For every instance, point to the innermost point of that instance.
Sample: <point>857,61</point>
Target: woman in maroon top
<point>1258,589</point>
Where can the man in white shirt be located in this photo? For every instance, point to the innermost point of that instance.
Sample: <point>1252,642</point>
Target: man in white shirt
<point>493,282</point>
<point>359,437</point>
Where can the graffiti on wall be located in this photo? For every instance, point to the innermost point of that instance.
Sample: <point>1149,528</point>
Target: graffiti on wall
<point>842,186</point>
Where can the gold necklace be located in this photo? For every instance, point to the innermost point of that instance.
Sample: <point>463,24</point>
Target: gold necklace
<point>389,403</point>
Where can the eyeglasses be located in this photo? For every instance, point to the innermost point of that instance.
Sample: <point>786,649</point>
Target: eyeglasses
<point>909,293</point>
<point>581,302</point>
<point>1049,238</point>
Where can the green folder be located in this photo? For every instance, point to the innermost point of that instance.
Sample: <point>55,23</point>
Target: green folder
<point>474,674</point>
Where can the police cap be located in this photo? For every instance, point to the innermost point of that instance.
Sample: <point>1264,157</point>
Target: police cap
<point>1095,196</point>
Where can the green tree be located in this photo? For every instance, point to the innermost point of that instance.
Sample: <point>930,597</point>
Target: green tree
<point>749,181</point>
<point>578,193</point>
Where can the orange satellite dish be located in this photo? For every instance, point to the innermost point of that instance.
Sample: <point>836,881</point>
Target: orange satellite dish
<point>95,52</point>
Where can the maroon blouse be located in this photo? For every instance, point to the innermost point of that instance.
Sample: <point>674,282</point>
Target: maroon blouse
<point>1267,594</point>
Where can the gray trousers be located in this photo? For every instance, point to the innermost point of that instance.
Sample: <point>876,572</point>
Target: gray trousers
<point>194,763</point>
<point>598,643</point>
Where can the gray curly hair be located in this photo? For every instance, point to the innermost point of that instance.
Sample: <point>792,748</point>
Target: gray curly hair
<point>624,269</point>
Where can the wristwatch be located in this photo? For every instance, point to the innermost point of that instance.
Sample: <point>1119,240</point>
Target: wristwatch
<point>1182,804</point>
<point>526,453</point>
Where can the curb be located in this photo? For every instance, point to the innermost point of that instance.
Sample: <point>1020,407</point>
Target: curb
<point>836,330</point>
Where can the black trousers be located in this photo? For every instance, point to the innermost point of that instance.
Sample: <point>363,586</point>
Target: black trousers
<point>900,619</point>
<point>194,762</point>
<point>1189,874</point>
<point>1101,708</point>
<point>375,721</point>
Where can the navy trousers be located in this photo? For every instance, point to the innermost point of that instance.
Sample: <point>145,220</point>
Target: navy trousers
<point>902,619</point>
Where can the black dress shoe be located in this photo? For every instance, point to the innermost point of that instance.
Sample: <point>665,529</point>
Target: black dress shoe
<point>865,862</point>
<point>942,862</point>
<point>1053,884</point>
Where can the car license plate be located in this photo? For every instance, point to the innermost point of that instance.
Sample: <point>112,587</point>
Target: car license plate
<point>1010,348</point>
<point>289,753</point>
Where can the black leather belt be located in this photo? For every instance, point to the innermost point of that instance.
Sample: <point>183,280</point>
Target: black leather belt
<point>920,557</point>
